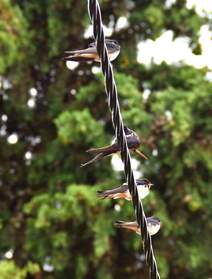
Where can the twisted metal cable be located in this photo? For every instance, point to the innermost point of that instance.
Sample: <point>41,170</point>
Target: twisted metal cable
<point>113,102</point>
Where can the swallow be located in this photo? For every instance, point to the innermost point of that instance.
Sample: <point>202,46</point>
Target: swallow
<point>90,53</point>
<point>133,143</point>
<point>153,225</point>
<point>122,192</point>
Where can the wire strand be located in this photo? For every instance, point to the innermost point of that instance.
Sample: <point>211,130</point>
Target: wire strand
<point>113,102</point>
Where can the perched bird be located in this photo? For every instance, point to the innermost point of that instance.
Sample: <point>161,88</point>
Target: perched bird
<point>122,192</point>
<point>90,53</point>
<point>133,143</point>
<point>153,225</point>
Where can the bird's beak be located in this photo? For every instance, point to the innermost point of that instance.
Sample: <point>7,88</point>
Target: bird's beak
<point>141,154</point>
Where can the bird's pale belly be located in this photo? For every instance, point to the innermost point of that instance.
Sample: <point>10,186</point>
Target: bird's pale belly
<point>113,55</point>
<point>153,229</point>
<point>142,192</point>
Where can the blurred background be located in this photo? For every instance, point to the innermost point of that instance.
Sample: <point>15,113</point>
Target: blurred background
<point>52,225</point>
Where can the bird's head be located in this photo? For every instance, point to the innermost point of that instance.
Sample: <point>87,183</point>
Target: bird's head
<point>154,220</point>
<point>127,131</point>
<point>144,182</point>
<point>113,44</point>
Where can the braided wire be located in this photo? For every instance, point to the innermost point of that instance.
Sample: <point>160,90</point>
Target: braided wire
<point>113,102</point>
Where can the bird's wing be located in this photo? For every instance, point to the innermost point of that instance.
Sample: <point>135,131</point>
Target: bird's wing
<point>123,188</point>
<point>127,225</point>
<point>88,54</point>
<point>106,150</point>
<point>89,50</point>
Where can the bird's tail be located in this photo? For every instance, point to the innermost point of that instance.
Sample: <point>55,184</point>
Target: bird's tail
<point>96,158</point>
<point>119,224</point>
<point>80,55</point>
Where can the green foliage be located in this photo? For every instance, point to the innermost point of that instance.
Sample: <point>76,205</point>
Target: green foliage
<point>50,216</point>
<point>79,211</point>
<point>77,127</point>
<point>12,35</point>
<point>8,270</point>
